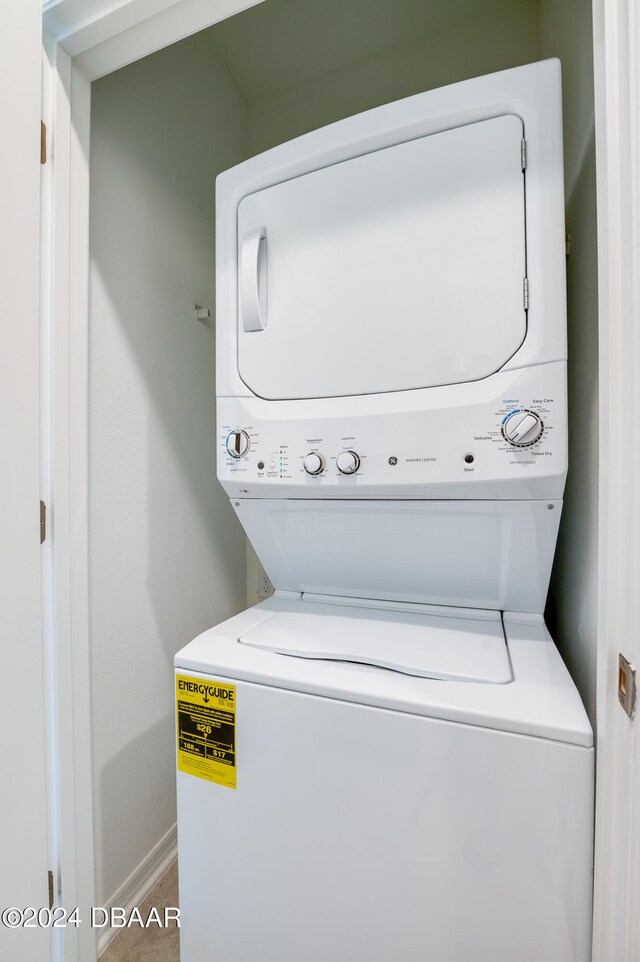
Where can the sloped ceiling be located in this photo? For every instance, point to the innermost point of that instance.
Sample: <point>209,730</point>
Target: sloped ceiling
<point>282,42</point>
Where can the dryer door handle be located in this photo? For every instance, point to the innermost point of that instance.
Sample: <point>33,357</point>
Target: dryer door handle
<point>253,279</point>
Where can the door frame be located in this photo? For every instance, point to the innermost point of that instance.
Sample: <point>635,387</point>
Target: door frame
<point>27,846</point>
<point>88,39</point>
<point>616,29</point>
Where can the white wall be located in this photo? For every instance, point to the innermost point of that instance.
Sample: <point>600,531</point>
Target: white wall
<point>167,556</point>
<point>566,33</point>
<point>503,35</point>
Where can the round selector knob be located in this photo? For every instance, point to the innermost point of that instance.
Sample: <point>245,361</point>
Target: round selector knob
<point>313,463</point>
<point>522,428</point>
<point>348,462</point>
<point>237,443</point>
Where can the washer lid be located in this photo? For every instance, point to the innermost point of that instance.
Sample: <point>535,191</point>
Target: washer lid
<point>467,647</point>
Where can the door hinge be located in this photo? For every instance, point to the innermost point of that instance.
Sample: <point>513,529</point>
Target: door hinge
<point>525,293</point>
<point>626,685</point>
<point>567,246</point>
<point>43,142</point>
<point>50,883</point>
<point>43,521</point>
<point>523,154</point>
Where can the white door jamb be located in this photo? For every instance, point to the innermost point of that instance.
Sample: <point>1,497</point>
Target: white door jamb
<point>617,831</point>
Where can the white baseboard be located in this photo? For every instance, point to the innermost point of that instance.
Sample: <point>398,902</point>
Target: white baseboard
<point>135,889</point>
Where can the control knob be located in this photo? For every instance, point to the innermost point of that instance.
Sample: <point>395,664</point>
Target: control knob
<point>237,443</point>
<point>313,463</point>
<point>522,428</point>
<point>348,462</point>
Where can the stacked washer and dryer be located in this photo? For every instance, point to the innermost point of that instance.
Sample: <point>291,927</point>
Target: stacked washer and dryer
<point>388,758</point>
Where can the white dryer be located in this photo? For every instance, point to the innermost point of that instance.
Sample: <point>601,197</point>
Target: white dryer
<point>388,759</point>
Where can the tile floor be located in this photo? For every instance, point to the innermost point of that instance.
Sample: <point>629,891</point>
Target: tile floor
<point>153,944</point>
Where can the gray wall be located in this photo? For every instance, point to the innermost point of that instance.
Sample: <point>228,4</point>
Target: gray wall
<point>565,32</point>
<point>167,556</point>
<point>502,35</point>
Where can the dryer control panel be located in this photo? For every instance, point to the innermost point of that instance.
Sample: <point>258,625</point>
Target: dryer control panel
<point>502,437</point>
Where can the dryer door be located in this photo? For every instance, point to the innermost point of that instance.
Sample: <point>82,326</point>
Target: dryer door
<point>399,269</point>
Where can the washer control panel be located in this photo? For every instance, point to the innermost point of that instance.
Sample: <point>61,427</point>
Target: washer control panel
<point>510,445</point>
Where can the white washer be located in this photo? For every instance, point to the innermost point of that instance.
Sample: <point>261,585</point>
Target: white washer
<point>382,816</point>
<point>388,759</point>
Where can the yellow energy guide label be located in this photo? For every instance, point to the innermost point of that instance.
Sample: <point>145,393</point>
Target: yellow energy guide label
<point>206,720</point>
